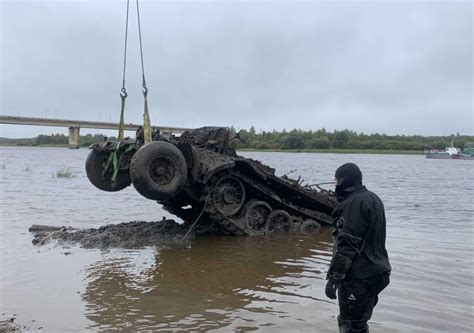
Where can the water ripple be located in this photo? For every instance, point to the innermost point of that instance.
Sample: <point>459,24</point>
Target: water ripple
<point>223,284</point>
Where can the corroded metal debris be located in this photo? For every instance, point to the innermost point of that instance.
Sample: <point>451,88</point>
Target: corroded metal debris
<point>199,177</point>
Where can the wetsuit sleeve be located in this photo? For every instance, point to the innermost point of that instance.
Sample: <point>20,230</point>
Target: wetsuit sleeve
<point>351,227</point>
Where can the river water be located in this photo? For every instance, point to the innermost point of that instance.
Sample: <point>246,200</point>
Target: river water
<point>224,284</point>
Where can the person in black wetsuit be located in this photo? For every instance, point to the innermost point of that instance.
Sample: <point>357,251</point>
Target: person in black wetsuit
<point>360,268</point>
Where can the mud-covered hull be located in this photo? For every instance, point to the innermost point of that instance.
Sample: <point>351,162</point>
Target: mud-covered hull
<point>199,176</point>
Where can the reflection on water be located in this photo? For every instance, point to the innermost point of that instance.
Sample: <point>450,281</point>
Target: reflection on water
<point>231,284</point>
<point>202,287</point>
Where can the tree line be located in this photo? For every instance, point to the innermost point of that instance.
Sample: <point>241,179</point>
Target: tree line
<point>53,139</point>
<point>295,139</point>
<point>61,139</point>
<point>345,139</point>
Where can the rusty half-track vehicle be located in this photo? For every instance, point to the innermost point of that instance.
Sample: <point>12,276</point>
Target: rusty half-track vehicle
<point>199,176</point>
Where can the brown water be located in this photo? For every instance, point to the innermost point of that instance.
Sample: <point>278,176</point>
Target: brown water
<point>267,284</point>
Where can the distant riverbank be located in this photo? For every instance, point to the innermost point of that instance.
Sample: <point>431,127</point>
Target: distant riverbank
<point>35,146</point>
<point>296,140</point>
<point>339,151</point>
<point>327,151</point>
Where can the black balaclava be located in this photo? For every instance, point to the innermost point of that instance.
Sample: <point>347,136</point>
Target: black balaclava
<point>349,179</point>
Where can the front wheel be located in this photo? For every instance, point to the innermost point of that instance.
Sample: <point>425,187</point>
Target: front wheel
<point>96,160</point>
<point>158,170</point>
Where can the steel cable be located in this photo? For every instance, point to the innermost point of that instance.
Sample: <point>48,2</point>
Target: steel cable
<point>125,47</point>
<point>123,91</point>
<point>141,47</point>
<point>147,131</point>
<point>199,216</point>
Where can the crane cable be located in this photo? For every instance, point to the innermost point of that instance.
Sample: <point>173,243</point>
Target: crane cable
<point>146,115</point>
<point>123,91</point>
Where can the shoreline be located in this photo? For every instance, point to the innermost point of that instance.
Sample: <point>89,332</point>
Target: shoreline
<point>34,146</point>
<point>315,151</point>
<point>337,151</point>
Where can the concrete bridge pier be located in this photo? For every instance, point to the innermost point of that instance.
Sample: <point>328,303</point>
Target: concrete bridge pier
<point>74,137</point>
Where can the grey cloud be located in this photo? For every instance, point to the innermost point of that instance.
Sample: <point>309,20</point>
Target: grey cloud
<point>403,67</point>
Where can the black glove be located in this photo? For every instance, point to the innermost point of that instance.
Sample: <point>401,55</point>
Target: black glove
<point>331,288</point>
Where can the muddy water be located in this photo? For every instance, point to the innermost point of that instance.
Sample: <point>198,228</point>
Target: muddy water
<point>231,284</point>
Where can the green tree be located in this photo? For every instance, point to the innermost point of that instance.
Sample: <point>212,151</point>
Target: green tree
<point>293,142</point>
<point>340,139</point>
<point>320,143</point>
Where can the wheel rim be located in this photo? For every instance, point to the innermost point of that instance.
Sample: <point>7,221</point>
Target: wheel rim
<point>229,196</point>
<point>257,214</point>
<point>278,221</point>
<point>162,170</point>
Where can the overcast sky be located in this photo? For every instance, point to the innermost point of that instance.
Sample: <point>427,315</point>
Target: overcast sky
<point>387,67</point>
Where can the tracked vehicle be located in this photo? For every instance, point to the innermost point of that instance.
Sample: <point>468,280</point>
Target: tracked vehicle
<point>199,176</point>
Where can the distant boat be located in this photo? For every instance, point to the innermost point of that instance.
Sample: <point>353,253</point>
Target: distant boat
<point>452,153</point>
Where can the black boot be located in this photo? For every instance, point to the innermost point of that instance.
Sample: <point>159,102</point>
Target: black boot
<point>344,325</point>
<point>359,326</point>
<point>352,326</point>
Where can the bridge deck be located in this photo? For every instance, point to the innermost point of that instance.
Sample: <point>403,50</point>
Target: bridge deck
<point>79,123</point>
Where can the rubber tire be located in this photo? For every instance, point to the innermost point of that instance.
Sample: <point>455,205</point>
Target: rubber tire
<point>251,204</point>
<point>140,170</point>
<point>94,164</point>
<point>310,227</point>
<point>269,223</point>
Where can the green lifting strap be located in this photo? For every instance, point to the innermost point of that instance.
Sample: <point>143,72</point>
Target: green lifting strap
<point>113,160</point>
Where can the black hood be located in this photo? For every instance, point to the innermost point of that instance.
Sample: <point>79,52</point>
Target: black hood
<point>349,179</point>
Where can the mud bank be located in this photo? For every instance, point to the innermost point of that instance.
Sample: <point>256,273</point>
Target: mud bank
<point>134,234</point>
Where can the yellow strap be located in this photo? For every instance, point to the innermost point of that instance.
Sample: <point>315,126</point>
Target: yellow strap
<point>121,133</point>
<point>146,122</point>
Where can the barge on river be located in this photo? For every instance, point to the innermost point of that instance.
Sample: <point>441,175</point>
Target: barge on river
<point>452,153</point>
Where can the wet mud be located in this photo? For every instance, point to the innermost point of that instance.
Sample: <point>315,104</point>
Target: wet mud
<point>136,234</point>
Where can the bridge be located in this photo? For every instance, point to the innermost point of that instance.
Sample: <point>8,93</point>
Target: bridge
<point>75,126</point>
